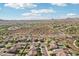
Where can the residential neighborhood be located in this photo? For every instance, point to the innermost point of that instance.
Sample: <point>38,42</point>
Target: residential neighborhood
<point>53,38</point>
<point>39,29</point>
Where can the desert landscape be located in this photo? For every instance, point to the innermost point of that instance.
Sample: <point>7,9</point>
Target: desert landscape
<point>39,29</point>
<point>39,37</point>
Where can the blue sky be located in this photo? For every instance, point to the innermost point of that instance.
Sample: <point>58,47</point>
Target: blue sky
<point>36,11</point>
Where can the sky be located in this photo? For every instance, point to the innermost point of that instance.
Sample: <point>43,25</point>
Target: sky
<point>36,11</point>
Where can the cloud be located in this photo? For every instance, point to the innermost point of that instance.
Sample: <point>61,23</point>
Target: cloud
<point>75,3</point>
<point>43,11</point>
<point>59,4</point>
<point>68,15</point>
<point>35,12</point>
<point>30,14</point>
<point>38,14</point>
<point>71,15</point>
<point>20,5</point>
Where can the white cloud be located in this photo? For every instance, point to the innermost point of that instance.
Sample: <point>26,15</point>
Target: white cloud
<point>71,15</point>
<point>20,5</point>
<point>75,3</point>
<point>68,15</point>
<point>43,11</point>
<point>30,14</point>
<point>59,4</point>
<point>38,14</point>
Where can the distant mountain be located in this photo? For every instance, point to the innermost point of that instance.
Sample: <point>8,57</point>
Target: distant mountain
<point>10,22</point>
<point>72,18</point>
<point>1,19</point>
<point>68,19</point>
